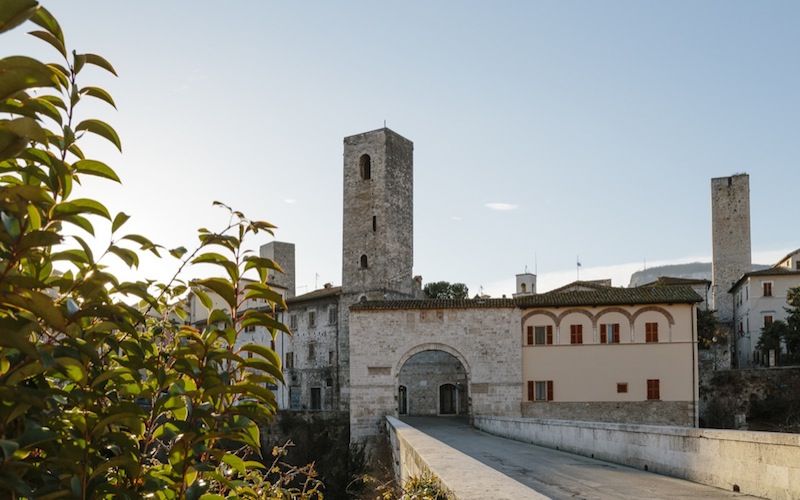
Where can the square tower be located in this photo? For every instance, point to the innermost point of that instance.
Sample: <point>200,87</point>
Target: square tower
<point>378,225</point>
<point>378,229</point>
<point>730,237</point>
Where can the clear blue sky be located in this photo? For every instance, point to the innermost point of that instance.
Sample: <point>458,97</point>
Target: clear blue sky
<point>600,122</point>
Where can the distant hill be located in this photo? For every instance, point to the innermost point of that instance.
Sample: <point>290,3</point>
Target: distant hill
<point>693,270</point>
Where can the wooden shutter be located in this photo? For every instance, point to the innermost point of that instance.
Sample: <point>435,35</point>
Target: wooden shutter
<point>530,335</point>
<point>549,339</point>
<point>615,337</point>
<point>549,390</point>
<point>603,335</point>
<point>530,390</point>
<point>579,329</point>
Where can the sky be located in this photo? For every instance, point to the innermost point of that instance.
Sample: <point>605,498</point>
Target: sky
<point>542,131</point>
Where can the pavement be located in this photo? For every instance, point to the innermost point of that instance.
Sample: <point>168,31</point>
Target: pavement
<point>558,474</point>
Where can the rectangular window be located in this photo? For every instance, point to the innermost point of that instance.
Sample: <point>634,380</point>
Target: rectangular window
<point>609,334</point>
<point>541,335</point>
<point>576,334</point>
<point>330,357</point>
<point>293,321</point>
<point>250,328</point>
<point>312,319</point>
<point>316,398</point>
<point>294,397</point>
<point>289,360</point>
<point>653,389</point>
<point>622,387</point>
<point>329,382</point>
<point>767,289</point>
<point>651,332</point>
<point>767,320</point>
<point>332,315</point>
<point>542,390</point>
<point>311,352</point>
<point>374,223</point>
<point>530,390</point>
<point>529,335</point>
<point>797,265</point>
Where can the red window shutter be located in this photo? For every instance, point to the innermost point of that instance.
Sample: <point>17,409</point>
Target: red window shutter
<point>530,390</point>
<point>549,390</point>
<point>603,335</point>
<point>549,334</point>
<point>530,335</point>
<point>615,338</point>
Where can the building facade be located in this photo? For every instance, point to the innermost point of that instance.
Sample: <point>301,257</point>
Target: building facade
<point>759,298</point>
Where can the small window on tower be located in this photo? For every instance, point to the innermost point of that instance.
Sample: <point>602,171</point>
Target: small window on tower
<point>365,167</point>
<point>364,262</point>
<point>523,287</point>
<point>374,223</point>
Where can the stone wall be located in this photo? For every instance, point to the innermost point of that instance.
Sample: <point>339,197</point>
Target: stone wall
<point>415,453</point>
<point>756,463</point>
<point>638,412</point>
<point>730,238</point>
<point>484,340</point>
<point>315,354</point>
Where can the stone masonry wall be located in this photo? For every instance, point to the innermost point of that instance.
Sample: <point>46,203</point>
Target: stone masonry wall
<point>486,341</point>
<point>422,376</point>
<point>730,237</point>
<point>635,412</point>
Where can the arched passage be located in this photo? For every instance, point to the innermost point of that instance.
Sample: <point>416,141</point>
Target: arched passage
<point>433,382</point>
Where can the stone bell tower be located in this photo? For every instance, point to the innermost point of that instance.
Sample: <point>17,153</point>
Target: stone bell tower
<point>378,226</point>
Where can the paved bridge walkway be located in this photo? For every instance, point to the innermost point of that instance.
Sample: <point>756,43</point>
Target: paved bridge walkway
<point>558,474</point>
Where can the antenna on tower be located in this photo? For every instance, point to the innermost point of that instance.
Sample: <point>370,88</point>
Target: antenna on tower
<point>316,279</point>
<point>384,123</point>
<point>578,267</point>
<point>535,265</point>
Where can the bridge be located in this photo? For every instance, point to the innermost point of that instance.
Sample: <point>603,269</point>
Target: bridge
<point>475,464</point>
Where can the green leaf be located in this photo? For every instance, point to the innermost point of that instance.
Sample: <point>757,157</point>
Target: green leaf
<point>96,168</point>
<point>81,222</point>
<point>45,19</point>
<point>127,255</point>
<point>235,462</point>
<point>21,73</point>
<point>73,369</point>
<point>102,129</point>
<point>80,206</point>
<point>219,260</point>
<point>16,12</point>
<point>49,38</point>
<point>100,94</point>
<point>178,252</point>
<point>24,127</point>
<point>100,62</point>
<point>120,219</point>
<point>221,287</point>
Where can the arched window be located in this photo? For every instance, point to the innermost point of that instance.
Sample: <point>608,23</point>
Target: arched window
<point>364,262</point>
<point>365,167</point>
<point>523,287</point>
<point>363,298</point>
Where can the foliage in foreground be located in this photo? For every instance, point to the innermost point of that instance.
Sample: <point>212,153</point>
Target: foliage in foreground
<point>101,396</point>
<point>782,336</point>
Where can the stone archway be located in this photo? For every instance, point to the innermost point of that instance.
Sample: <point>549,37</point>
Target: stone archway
<point>434,382</point>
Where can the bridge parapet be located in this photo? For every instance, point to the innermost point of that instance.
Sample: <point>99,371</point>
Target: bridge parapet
<point>764,464</point>
<point>415,453</point>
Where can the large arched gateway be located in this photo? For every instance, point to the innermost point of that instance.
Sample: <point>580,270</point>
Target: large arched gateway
<point>433,382</point>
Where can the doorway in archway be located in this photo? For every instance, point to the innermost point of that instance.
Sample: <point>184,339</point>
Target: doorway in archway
<point>433,383</point>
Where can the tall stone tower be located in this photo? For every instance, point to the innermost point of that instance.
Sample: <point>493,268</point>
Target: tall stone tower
<point>378,227</point>
<point>730,235</point>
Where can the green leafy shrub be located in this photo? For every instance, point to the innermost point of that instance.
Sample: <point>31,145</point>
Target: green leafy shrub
<point>105,391</point>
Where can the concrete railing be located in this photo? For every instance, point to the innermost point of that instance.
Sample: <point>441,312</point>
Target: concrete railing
<point>763,464</point>
<point>415,452</point>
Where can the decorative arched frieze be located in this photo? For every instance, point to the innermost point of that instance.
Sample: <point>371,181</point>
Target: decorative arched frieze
<point>661,310</point>
<point>431,346</point>
<point>609,310</point>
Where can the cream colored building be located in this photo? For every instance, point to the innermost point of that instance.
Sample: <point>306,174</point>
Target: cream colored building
<point>759,298</point>
<point>605,353</point>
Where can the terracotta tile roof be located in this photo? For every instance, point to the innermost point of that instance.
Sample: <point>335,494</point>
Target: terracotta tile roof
<point>322,293</point>
<point>777,264</point>
<point>593,284</point>
<point>613,296</point>
<point>600,297</point>
<point>670,281</point>
<point>433,304</point>
<point>771,271</point>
